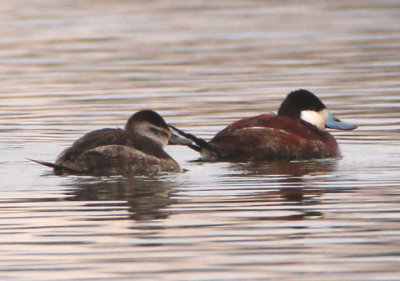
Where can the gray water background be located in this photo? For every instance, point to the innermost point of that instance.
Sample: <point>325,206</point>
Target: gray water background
<point>69,67</point>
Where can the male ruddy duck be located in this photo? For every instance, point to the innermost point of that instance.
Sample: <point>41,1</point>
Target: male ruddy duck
<point>138,149</point>
<point>295,133</point>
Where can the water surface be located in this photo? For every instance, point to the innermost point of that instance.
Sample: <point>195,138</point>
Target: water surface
<point>71,67</point>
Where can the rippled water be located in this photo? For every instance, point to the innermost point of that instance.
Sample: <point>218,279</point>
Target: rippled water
<point>68,67</point>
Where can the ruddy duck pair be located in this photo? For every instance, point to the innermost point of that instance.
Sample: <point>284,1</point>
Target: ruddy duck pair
<point>295,133</point>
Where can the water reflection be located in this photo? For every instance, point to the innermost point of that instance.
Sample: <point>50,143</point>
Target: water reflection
<point>293,170</point>
<point>281,185</point>
<point>295,183</point>
<point>146,198</point>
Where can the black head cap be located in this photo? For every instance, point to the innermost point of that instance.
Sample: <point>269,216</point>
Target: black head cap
<point>148,116</point>
<point>298,101</point>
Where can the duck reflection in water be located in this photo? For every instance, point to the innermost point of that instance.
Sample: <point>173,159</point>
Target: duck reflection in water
<point>146,198</point>
<point>138,149</point>
<point>294,182</point>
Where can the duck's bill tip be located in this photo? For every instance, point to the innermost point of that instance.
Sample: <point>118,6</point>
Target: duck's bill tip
<point>335,123</point>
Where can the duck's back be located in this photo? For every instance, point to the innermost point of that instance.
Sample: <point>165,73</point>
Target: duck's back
<point>92,140</point>
<point>273,137</point>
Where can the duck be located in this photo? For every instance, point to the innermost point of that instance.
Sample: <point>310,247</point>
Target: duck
<point>138,149</point>
<point>296,132</point>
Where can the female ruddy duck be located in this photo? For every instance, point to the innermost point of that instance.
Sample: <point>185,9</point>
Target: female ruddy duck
<point>138,149</point>
<point>295,133</point>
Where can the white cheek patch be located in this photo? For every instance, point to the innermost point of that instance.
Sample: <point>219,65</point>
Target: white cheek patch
<point>155,133</point>
<point>159,135</point>
<point>316,118</point>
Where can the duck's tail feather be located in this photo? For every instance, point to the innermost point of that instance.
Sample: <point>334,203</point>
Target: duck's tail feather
<point>58,169</point>
<point>199,142</point>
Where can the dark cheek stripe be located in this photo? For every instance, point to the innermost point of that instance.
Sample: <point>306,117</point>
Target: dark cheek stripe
<point>160,132</point>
